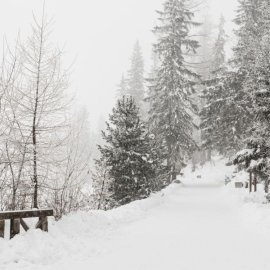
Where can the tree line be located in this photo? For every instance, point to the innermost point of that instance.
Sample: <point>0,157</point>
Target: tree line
<point>236,118</point>
<point>193,100</point>
<point>191,79</point>
<point>149,135</point>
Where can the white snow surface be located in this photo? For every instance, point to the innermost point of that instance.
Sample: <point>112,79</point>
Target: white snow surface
<point>199,224</point>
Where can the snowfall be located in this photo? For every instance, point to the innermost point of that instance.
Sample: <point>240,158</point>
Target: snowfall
<point>198,224</point>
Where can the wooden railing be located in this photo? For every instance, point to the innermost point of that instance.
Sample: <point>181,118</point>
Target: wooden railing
<point>16,220</point>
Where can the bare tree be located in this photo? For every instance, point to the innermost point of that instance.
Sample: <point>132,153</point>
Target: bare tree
<point>43,101</point>
<point>44,153</point>
<point>13,146</point>
<point>72,176</point>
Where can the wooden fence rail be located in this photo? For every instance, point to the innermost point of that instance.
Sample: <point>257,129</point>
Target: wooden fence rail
<point>16,219</point>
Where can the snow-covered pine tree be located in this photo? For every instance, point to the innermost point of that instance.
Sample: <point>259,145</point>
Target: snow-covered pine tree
<point>233,92</point>
<point>171,104</point>
<point>214,95</point>
<point>203,67</point>
<point>135,79</point>
<point>245,60</point>
<point>241,98</point>
<point>256,156</point>
<point>248,34</point>
<point>127,153</point>
<point>261,73</point>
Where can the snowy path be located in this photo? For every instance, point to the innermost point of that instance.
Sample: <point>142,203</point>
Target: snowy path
<point>193,229</point>
<point>194,226</point>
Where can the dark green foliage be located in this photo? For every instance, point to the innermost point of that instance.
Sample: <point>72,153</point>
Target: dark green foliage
<point>127,153</point>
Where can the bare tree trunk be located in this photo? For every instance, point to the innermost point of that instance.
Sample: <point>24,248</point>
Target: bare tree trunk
<point>35,177</point>
<point>34,134</point>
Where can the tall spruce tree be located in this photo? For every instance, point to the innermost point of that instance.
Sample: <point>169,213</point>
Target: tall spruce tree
<point>203,67</point>
<point>245,62</point>
<point>257,85</point>
<point>135,79</point>
<point>171,104</point>
<point>240,95</point>
<point>127,153</point>
<point>214,95</point>
<point>232,95</point>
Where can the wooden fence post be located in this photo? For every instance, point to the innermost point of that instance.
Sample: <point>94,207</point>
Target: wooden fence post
<point>14,227</point>
<point>250,181</point>
<point>266,186</point>
<point>255,182</point>
<point>2,228</point>
<point>17,219</point>
<point>42,224</point>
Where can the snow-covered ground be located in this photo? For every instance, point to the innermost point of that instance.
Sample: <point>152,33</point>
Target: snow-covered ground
<point>200,224</point>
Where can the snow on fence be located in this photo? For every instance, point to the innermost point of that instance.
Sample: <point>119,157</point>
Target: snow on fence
<point>16,219</point>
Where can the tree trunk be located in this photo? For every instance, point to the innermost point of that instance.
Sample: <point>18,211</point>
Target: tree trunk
<point>173,173</point>
<point>34,131</point>
<point>255,182</point>
<point>266,186</point>
<point>35,177</point>
<point>250,182</point>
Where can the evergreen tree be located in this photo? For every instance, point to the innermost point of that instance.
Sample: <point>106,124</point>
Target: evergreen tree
<point>241,97</point>
<point>256,156</point>
<point>246,61</point>
<point>203,67</point>
<point>230,111</point>
<point>171,104</point>
<point>248,34</point>
<point>221,117</point>
<point>135,80</point>
<point>214,95</point>
<point>259,80</point>
<point>127,153</point>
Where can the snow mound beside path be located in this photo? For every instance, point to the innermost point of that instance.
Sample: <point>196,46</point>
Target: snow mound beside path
<point>77,235</point>
<point>201,218</point>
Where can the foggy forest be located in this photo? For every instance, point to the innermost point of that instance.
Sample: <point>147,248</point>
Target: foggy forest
<point>135,134</point>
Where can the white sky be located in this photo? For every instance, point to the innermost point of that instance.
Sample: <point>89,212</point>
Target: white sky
<point>99,35</point>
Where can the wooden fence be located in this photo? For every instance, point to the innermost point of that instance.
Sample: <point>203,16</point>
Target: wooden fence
<point>16,220</point>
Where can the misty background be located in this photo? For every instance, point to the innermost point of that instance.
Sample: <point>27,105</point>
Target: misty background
<point>98,37</point>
